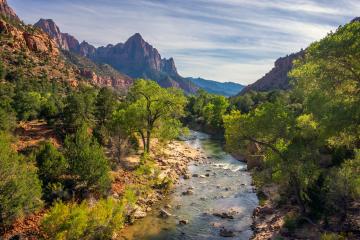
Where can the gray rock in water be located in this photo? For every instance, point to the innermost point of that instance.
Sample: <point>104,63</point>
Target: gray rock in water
<point>226,233</point>
<point>183,222</point>
<point>224,215</point>
<point>164,213</point>
<point>188,192</point>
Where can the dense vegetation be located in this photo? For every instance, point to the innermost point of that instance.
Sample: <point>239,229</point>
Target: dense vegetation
<point>95,129</point>
<point>309,137</point>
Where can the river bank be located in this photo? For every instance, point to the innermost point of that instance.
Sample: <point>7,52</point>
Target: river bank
<point>212,200</point>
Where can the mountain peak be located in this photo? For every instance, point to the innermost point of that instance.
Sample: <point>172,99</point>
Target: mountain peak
<point>357,19</point>
<point>7,11</point>
<point>136,38</point>
<point>64,40</point>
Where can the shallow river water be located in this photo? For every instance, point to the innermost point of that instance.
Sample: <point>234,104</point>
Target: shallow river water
<point>228,188</point>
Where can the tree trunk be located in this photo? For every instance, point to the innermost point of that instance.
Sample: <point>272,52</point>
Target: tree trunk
<point>148,137</point>
<point>296,188</point>
<point>144,141</point>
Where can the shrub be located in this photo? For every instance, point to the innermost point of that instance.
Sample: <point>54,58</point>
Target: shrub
<point>51,163</point>
<point>88,163</point>
<point>20,188</point>
<point>82,221</point>
<point>332,236</point>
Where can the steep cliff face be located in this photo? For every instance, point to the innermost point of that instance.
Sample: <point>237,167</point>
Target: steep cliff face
<point>64,40</point>
<point>7,11</point>
<point>34,53</point>
<point>135,58</point>
<point>277,78</point>
<point>95,73</point>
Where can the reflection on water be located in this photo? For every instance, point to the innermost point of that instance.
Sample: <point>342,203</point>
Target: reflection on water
<point>226,189</point>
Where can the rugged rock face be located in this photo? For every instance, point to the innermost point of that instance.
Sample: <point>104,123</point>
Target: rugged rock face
<point>120,83</point>
<point>277,78</point>
<point>39,53</point>
<point>64,40</point>
<point>86,50</point>
<point>7,11</point>
<point>139,59</point>
<point>32,41</point>
<point>135,58</point>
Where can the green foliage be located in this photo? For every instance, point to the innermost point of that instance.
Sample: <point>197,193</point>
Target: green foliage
<point>332,236</point>
<point>106,102</point>
<point>17,174</point>
<point>51,163</point>
<point>2,71</point>
<point>208,109</point>
<point>150,110</point>
<point>80,108</point>
<point>87,161</point>
<point>84,221</point>
<point>309,137</point>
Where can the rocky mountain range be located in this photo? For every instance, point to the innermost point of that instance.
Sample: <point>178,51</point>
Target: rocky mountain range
<point>135,58</point>
<point>37,54</point>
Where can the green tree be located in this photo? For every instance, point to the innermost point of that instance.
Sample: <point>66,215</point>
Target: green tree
<point>20,188</point>
<point>51,163</point>
<point>87,161</point>
<point>151,108</point>
<point>80,108</point>
<point>106,102</point>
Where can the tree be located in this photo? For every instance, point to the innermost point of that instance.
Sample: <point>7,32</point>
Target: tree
<point>151,108</point>
<point>289,144</point>
<point>51,163</point>
<point>80,109</point>
<point>2,71</point>
<point>87,161</point>
<point>20,188</point>
<point>105,105</point>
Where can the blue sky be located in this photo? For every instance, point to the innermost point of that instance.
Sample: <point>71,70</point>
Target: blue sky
<point>223,40</point>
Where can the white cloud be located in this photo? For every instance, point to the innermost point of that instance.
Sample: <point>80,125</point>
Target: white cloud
<point>224,40</point>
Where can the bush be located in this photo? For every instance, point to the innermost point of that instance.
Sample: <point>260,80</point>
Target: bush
<point>20,188</point>
<point>51,163</point>
<point>88,163</point>
<point>52,168</point>
<point>82,221</point>
<point>332,236</point>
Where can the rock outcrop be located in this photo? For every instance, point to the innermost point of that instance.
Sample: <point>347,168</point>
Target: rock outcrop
<point>7,11</point>
<point>277,78</point>
<point>64,40</point>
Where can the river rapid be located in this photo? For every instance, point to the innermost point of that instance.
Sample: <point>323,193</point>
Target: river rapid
<point>223,185</point>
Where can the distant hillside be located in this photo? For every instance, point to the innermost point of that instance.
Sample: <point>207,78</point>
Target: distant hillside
<point>277,78</point>
<point>227,89</point>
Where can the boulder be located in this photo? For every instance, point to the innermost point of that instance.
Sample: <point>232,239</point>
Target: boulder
<point>164,213</point>
<point>226,233</point>
<point>183,222</point>
<point>139,213</point>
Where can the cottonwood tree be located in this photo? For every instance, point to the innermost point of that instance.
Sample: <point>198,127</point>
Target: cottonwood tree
<point>151,109</point>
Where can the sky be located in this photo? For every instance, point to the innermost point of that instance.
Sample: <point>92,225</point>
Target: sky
<point>222,40</point>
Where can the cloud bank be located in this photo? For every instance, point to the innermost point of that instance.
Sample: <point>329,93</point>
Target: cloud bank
<point>223,40</point>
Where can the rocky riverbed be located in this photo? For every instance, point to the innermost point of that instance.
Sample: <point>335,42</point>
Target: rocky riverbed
<point>212,199</point>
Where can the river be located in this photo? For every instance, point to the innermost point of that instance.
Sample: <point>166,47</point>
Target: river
<point>227,188</point>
